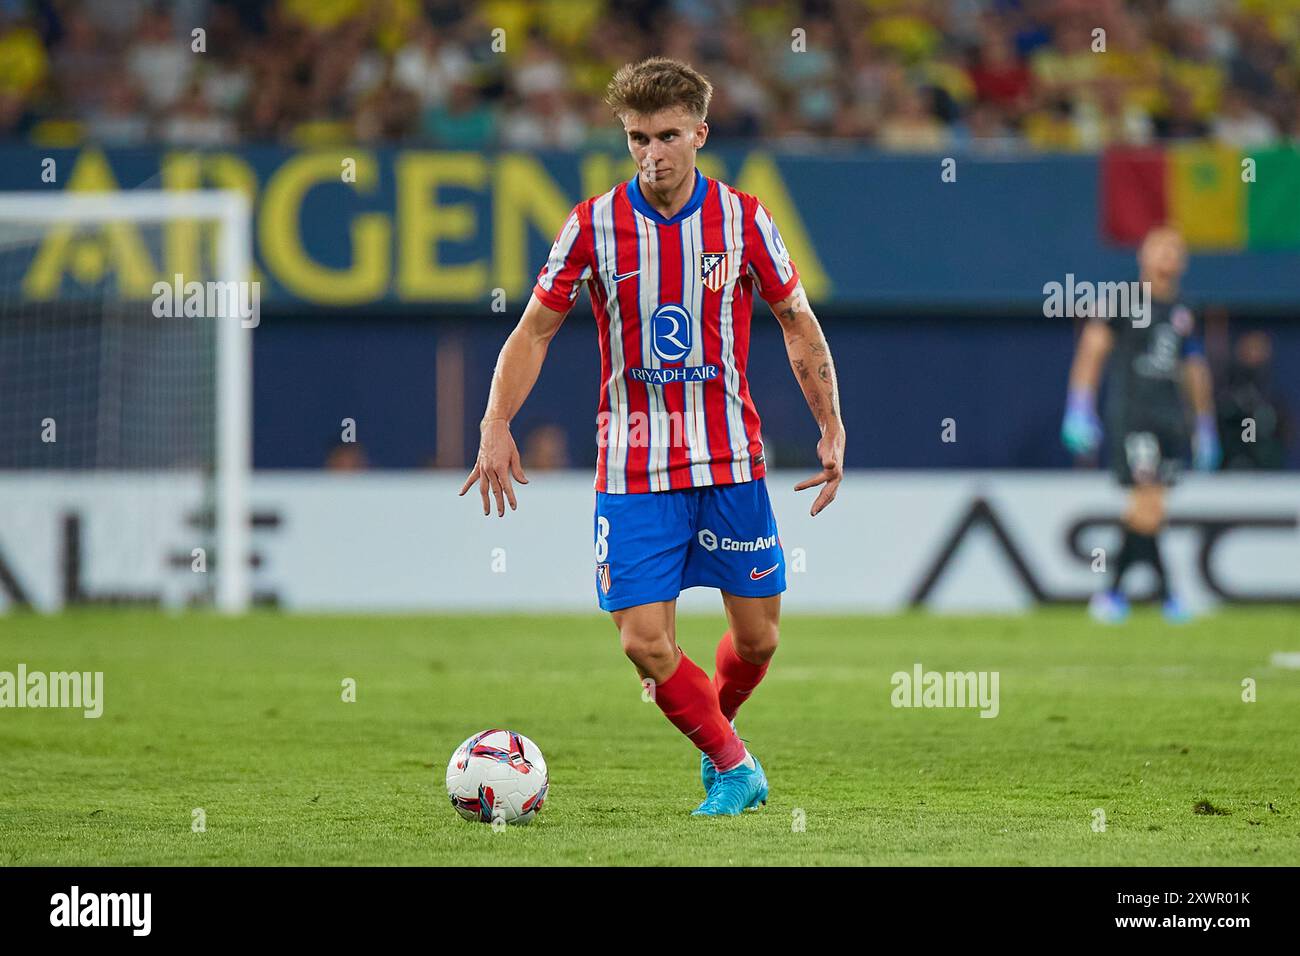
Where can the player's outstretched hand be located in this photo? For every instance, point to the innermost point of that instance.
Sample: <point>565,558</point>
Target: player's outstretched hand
<point>831,452</point>
<point>498,460</point>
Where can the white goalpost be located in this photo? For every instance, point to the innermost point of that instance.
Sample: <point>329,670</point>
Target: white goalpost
<point>138,394</point>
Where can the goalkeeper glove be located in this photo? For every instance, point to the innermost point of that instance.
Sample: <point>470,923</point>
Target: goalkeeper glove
<point>1081,430</point>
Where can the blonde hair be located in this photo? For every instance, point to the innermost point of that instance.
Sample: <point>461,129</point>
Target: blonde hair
<point>657,84</point>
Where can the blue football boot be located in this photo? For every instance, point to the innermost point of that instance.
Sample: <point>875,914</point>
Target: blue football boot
<point>736,790</point>
<point>1108,607</point>
<point>1175,611</point>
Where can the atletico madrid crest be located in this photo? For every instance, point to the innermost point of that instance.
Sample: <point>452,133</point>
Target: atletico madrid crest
<point>602,575</point>
<point>715,269</point>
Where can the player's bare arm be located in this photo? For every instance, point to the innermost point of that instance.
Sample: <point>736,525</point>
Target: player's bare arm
<point>1094,347</point>
<point>517,369</point>
<point>810,358</point>
<point>1199,385</point>
<point>1081,429</point>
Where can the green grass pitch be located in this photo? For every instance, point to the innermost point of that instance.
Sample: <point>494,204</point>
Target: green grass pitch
<point>245,719</point>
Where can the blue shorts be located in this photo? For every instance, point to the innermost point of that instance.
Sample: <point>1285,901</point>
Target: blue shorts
<point>651,546</point>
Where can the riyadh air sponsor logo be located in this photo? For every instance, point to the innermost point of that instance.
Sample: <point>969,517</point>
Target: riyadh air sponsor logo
<point>665,376</point>
<point>672,338</point>
<point>709,541</point>
<point>671,326</point>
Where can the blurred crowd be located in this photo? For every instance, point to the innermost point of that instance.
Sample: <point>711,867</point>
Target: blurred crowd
<point>916,75</point>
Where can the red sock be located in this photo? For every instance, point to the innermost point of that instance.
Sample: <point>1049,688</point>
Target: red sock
<point>735,678</point>
<point>688,699</point>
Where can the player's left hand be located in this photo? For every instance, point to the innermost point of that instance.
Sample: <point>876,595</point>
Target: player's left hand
<point>831,452</point>
<point>498,460</point>
<point>1207,452</point>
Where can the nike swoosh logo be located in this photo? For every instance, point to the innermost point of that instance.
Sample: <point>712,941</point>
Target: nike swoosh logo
<point>626,275</point>
<point>755,574</point>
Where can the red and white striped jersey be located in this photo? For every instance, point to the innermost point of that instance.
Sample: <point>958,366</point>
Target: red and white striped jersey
<point>672,299</point>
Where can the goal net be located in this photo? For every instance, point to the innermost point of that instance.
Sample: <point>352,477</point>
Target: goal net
<point>125,358</point>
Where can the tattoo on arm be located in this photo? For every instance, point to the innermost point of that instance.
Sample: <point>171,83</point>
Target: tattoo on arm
<point>798,303</point>
<point>807,347</point>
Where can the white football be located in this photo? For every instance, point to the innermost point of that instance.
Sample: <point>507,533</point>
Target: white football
<point>497,775</point>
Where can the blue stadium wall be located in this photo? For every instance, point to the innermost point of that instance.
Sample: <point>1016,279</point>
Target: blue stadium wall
<point>1002,379</point>
<point>931,290</point>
